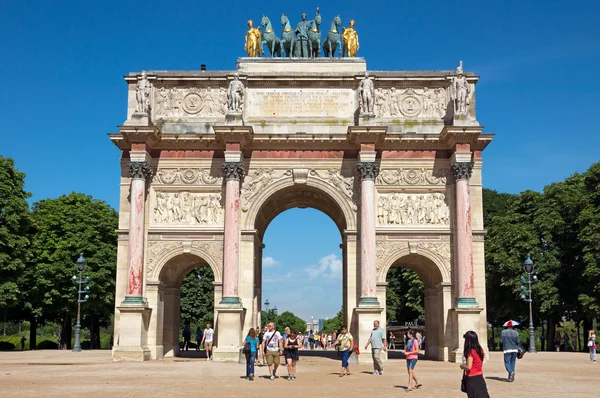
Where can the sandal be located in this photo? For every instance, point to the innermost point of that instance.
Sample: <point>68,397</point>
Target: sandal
<point>341,375</point>
<point>418,386</point>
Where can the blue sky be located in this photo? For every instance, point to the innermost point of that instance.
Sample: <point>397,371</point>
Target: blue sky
<point>62,64</point>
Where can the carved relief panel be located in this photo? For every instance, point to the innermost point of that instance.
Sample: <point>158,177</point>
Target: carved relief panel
<point>411,103</point>
<point>187,176</point>
<point>190,102</point>
<point>412,209</point>
<point>403,176</point>
<point>188,208</point>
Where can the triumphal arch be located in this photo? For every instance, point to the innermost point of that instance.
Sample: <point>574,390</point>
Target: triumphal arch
<point>210,158</point>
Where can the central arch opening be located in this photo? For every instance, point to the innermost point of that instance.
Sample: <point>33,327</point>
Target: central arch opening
<point>301,267</point>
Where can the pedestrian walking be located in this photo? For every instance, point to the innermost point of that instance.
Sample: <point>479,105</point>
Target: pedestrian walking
<point>392,341</point>
<point>473,382</point>
<point>187,336</point>
<point>273,347</point>
<point>262,351</point>
<point>257,356</point>
<point>250,350</point>
<point>198,338</point>
<point>290,352</point>
<point>412,355</point>
<point>345,344</point>
<point>419,338</point>
<point>592,345</point>
<point>207,340</point>
<point>377,343</point>
<point>510,345</point>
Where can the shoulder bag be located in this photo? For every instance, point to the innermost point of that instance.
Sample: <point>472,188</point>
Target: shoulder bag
<point>268,341</point>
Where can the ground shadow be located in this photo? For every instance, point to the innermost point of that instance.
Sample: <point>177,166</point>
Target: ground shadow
<point>320,353</point>
<point>496,378</point>
<point>192,354</point>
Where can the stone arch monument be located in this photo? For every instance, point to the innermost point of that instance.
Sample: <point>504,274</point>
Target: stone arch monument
<point>209,158</point>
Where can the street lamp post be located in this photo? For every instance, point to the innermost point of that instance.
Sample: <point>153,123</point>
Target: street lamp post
<point>529,268</point>
<point>81,263</point>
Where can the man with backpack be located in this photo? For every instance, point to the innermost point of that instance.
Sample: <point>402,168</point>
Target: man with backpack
<point>510,344</point>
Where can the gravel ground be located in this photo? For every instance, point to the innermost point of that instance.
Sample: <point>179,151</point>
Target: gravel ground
<point>93,374</point>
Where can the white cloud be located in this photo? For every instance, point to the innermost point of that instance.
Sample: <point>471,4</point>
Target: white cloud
<point>329,267</point>
<point>269,262</point>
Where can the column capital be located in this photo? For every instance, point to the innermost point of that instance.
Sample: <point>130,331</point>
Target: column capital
<point>139,170</point>
<point>233,170</point>
<point>368,170</point>
<point>461,170</point>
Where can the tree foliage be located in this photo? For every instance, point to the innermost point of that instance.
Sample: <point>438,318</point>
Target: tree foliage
<point>334,323</point>
<point>197,298</point>
<point>288,319</point>
<point>15,229</point>
<point>404,296</point>
<point>64,228</point>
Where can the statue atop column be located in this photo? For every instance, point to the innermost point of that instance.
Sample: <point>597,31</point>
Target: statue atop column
<point>235,92</point>
<point>350,38</point>
<point>302,29</point>
<point>253,37</point>
<point>142,95</point>
<point>460,90</point>
<point>366,89</point>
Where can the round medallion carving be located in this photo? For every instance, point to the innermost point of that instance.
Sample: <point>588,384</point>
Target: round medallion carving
<point>412,176</point>
<point>189,176</point>
<point>192,103</point>
<point>410,105</point>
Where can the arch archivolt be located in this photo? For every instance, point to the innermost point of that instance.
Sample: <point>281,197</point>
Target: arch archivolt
<point>437,252</point>
<point>328,187</point>
<point>160,252</point>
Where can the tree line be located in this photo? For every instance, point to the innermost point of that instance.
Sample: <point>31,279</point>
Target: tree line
<point>38,250</point>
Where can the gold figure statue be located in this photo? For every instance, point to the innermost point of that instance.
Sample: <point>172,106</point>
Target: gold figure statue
<point>350,38</point>
<point>253,38</point>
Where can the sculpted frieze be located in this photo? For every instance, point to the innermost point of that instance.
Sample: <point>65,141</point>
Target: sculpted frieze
<point>344,184</point>
<point>190,208</point>
<point>257,181</point>
<point>186,176</point>
<point>442,249</point>
<point>412,209</point>
<point>190,102</point>
<point>428,103</point>
<point>156,249</point>
<point>385,248</point>
<point>402,176</point>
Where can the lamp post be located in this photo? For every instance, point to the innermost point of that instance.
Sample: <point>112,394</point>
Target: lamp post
<point>529,268</point>
<point>81,263</point>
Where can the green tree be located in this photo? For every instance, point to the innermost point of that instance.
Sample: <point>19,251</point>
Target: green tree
<point>404,296</point>
<point>15,229</point>
<point>197,298</point>
<point>288,319</point>
<point>334,323</point>
<point>589,236</point>
<point>66,226</point>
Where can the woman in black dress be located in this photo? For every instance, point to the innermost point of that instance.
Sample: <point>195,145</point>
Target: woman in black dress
<point>291,344</point>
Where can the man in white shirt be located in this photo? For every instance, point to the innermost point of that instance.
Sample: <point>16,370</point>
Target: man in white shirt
<point>207,340</point>
<point>272,345</point>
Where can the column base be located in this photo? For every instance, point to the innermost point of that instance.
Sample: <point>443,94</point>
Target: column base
<point>228,332</point>
<point>230,300</point>
<point>133,300</point>
<point>368,302</point>
<point>464,319</point>
<point>365,317</point>
<point>466,302</point>
<point>131,343</point>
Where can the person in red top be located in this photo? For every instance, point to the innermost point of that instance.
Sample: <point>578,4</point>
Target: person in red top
<point>472,366</point>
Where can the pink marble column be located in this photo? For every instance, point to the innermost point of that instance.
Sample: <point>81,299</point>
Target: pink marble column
<point>368,258</point>
<point>234,172</point>
<point>464,237</point>
<point>139,171</point>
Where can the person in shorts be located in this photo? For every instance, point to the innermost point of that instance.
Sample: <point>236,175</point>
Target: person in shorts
<point>412,354</point>
<point>272,345</point>
<point>292,342</point>
<point>207,340</point>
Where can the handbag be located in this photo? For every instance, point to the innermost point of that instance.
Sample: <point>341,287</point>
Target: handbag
<point>246,349</point>
<point>520,351</point>
<point>463,383</point>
